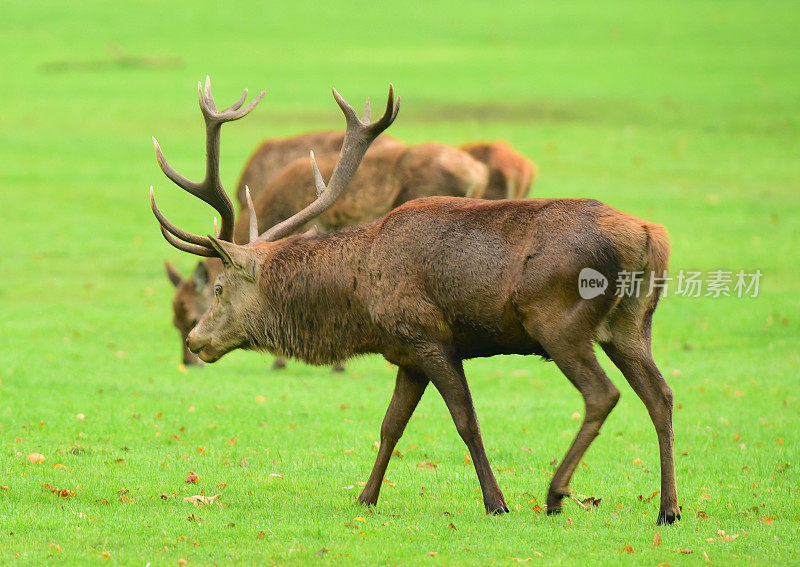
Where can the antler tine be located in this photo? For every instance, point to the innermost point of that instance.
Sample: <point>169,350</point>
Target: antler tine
<point>367,112</point>
<point>186,247</point>
<point>180,233</point>
<point>171,173</point>
<point>238,104</point>
<point>209,98</point>
<point>319,183</point>
<point>185,241</point>
<point>357,139</point>
<point>253,218</point>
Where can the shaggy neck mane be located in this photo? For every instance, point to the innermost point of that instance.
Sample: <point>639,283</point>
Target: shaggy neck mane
<point>310,309</point>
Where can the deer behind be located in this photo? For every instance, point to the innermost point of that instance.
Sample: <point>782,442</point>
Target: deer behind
<point>437,281</point>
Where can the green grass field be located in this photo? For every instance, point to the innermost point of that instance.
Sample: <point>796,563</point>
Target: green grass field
<point>684,113</point>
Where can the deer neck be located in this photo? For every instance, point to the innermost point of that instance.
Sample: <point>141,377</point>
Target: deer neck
<point>312,307</point>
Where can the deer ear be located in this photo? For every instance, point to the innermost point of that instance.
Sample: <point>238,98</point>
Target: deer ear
<point>235,256</point>
<point>173,274</point>
<point>200,276</point>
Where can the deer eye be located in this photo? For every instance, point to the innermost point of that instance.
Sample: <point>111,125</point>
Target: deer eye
<point>217,290</point>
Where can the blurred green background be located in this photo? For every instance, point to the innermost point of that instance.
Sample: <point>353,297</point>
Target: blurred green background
<point>684,113</point>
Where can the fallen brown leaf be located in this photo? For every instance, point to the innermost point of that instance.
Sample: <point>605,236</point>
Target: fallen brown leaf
<point>426,465</point>
<point>192,478</point>
<point>36,458</point>
<point>591,502</point>
<point>627,549</point>
<point>201,500</point>
<point>62,492</point>
<point>649,498</point>
<point>657,539</point>
<point>687,551</point>
<point>766,520</point>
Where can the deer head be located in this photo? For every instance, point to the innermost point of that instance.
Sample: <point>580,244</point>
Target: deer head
<point>238,291</point>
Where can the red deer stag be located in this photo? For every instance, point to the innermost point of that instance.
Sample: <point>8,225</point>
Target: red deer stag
<point>436,281</point>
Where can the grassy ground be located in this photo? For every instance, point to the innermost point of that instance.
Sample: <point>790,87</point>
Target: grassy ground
<point>684,113</point>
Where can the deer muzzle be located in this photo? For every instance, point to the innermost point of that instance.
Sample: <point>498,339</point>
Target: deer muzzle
<point>204,349</point>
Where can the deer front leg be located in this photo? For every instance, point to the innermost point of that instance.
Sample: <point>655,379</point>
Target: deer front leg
<point>447,374</point>
<point>408,390</point>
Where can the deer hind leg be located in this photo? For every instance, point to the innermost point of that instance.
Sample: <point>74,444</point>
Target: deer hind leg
<point>630,351</point>
<point>408,390</point>
<point>577,361</point>
<point>447,374</point>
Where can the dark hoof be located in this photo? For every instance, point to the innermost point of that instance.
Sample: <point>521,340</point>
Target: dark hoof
<point>667,517</point>
<point>366,500</point>
<point>554,500</point>
<point>497,510</point>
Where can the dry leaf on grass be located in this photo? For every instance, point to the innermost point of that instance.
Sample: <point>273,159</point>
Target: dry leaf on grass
<point>649,498</point>
<point>36,458</point>
<point>657,539</point>
<point>192,478</point>
<point>201,500</point>
<point>587,503</point>
<point>62,492</point>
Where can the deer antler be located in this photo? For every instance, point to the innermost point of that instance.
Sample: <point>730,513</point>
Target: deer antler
<point>210,188</point>
<point>357,139</point>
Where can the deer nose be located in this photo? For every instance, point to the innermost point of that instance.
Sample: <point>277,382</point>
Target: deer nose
<point>192,343</point>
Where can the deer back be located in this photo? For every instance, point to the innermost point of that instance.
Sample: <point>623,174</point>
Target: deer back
<point>273,155</point>
<point>510,173</point>
<point>433,169</point>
